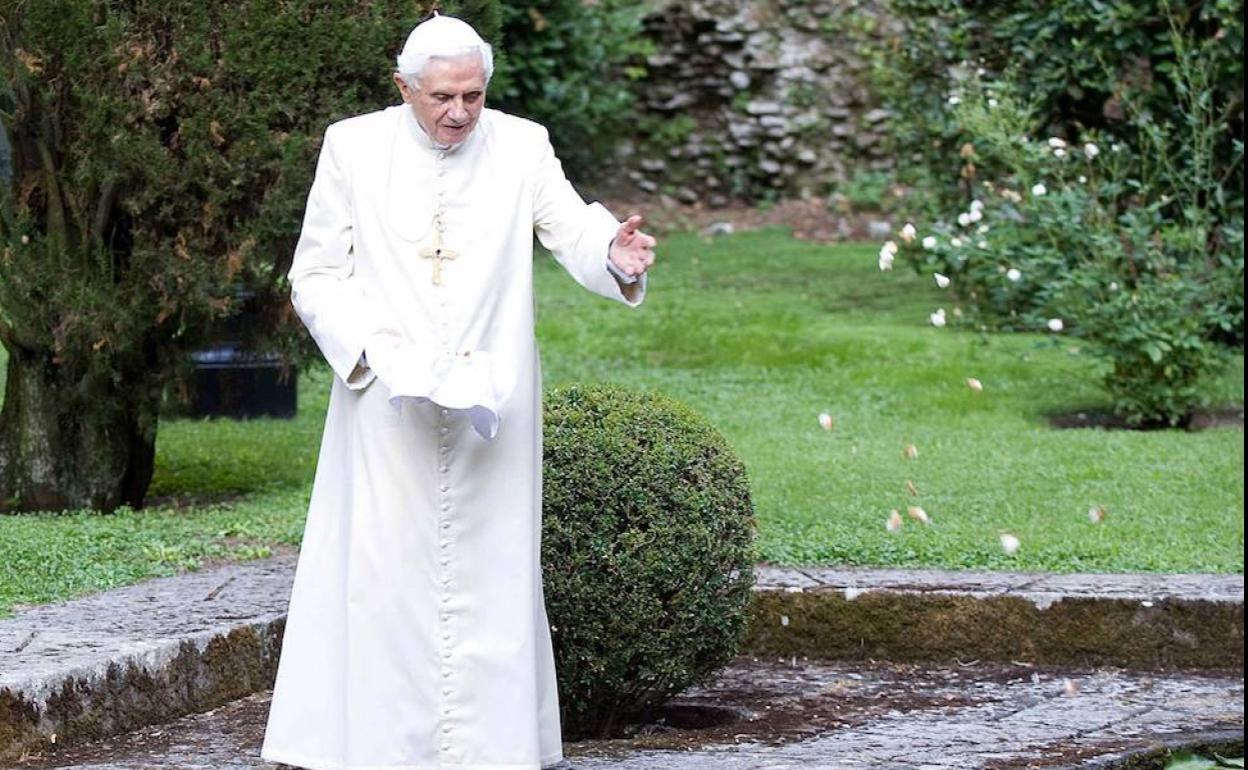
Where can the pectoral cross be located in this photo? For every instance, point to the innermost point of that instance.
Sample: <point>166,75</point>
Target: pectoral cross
<point>438,252</point>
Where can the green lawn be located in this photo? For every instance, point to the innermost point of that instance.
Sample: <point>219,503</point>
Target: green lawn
<point>761,333</point>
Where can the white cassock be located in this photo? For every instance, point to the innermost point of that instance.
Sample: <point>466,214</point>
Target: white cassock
<point>417,636</point>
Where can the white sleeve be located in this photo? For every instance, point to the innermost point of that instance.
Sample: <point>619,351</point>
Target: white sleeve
<point>325,290</point>
<point>578,234</point>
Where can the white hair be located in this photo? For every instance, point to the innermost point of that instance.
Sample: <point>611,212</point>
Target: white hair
<point>441,37</point>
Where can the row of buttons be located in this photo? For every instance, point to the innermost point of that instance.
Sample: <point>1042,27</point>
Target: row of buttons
<point>444,487</point>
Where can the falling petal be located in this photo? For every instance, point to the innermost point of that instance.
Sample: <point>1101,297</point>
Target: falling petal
<point>974,384</point>
<point>894,521</point>
<point>918,514</point>
<point>911,452</point>
<point>912,489</point>
<point>826,421</point>
<point>1009,544</point>
<point>1096,514</point>
<point>941,280</point>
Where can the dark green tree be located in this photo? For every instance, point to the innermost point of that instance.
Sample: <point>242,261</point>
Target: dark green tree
<point>161,155</point>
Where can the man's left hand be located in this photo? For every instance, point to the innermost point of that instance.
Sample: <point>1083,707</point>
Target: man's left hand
<point>632,251</point>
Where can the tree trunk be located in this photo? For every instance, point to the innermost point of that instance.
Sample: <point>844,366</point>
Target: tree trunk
<point>74,442</point>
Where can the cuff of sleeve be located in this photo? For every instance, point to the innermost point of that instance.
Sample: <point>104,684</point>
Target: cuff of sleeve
<point>620,275</point>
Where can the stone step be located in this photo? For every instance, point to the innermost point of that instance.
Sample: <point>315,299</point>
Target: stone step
<point>111,663</point>
<point>808,715</point>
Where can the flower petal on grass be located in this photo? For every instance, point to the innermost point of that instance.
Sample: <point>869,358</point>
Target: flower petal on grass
<point>1096,514</point>
<point>826,421</point>
<point>911,488</point>
<point>894,521</point>
<point>1009,544</point>
<point>911,452</point>
<point>974,384</point>
<point>918,514</point>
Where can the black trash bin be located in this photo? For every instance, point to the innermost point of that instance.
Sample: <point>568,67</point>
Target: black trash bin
<point>230,382</point>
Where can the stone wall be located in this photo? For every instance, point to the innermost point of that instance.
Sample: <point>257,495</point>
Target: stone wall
<point>750,98</point>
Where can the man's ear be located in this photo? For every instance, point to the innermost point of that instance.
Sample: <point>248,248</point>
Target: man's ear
<point>404,90</point>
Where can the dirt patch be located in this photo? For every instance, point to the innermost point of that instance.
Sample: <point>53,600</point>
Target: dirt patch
<point>812,219</point>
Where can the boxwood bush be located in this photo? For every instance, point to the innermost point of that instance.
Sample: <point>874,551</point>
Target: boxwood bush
<point>648,551</point>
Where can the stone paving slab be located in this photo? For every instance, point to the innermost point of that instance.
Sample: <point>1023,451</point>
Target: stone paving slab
<point>817,716</point>
<point>122,659</point>
<point>109,663</point>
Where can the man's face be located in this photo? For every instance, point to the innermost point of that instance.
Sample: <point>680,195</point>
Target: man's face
<point>450,98</point>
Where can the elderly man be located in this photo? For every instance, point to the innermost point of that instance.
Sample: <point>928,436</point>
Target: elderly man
<point>417,636</point>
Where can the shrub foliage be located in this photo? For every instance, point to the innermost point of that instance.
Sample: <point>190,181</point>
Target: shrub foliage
<point>647,551</point>
<point>1099,190</point>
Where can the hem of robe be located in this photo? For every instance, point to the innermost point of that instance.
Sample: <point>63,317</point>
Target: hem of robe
<point>307,763</point>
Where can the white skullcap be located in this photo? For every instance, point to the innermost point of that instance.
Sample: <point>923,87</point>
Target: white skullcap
<point>443,37</point>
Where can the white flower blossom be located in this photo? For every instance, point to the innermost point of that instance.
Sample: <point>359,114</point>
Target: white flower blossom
<point>982,229</point>
<point>1115,147</point>
<point>1113,286</point>
<point>1009,544</point>
<point>941,280</point>
<point>930,242</point>
<point>955,242</point>
<point>982,244</point>
<point>1083,179</point>
<point>977,205</point>
<point>955,100</point>
<point>1057,143</point>
<point>1090,150</point>
<point>908,233</point>
<point>993,102</point>
<point>1056,325</point>
<point>1039,189</point>
<point>938,318</point>
<point>964,219</point>
<point>826,422</point>
<point>891,247</point>
<point>1059,153</point>
<point>975,215</point>
<point>886,261</point>
<point>1014,274</point>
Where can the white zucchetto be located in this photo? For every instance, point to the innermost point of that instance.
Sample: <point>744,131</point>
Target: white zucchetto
<point>443,37</point>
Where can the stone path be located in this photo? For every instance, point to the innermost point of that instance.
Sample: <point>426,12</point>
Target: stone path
<point>123,660</point>
<point>814,716</point>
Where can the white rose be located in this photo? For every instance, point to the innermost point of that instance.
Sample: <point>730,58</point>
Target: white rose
<point>1090,150</point>
<point>1039,189</point>
<point>1014,274</point>
<point>1056,325</point>
<point>929,242</point>
<point>941,280</point>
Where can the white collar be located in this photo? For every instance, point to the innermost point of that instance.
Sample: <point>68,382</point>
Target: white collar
<point>422,138</point>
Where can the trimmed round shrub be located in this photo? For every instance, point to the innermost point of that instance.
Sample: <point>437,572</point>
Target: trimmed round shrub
<point>648,552</point>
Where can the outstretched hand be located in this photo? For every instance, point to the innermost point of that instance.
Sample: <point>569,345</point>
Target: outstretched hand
<point>632,251</point>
